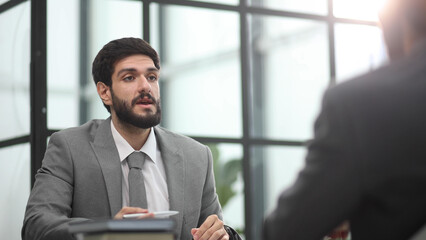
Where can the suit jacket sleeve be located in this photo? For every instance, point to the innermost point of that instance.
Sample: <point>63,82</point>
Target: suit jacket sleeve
<point>210,202</point>
<point>328,187</point>
<point>49,206</point>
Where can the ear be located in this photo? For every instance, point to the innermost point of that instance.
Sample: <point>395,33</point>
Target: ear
<point>104,93</point>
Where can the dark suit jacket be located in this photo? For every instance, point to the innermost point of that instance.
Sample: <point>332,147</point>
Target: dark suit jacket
<point>367,162</point>
<point>81,178</point>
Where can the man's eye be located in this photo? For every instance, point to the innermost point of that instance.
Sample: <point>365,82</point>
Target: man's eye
<point>129,78</point>
<point>152,78</point>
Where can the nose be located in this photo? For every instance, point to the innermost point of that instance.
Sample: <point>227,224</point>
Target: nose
<point>143,85</point>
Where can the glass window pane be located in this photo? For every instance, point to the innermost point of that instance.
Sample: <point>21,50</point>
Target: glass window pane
<point>357,9</point>
<point>15,71</point>
<point>229,2</point>
<point>281,167</point>
<point>63,76</point>
<point>200,78</point>
<point>113,19</point>
<point>109,20</point>
<point>15,189</point>
<point>290,71</point>
<point>229,182</point>
<point>64,88</point>
<point>274,168</point>
<point>305,6</point>
<point>359,49</point>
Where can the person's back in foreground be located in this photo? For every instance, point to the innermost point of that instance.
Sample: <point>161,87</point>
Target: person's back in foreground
<point>367,162</point>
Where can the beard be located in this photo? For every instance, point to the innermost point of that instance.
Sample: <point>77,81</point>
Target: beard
<point>125,114</point>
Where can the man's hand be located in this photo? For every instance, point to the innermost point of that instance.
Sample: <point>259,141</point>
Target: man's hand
<point>128,210</point>
<point>211,229</point>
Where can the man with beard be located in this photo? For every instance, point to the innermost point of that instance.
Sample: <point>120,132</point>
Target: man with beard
<point>367,162</point>
<point>86,171</point>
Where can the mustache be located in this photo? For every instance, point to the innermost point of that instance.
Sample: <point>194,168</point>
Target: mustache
<point>143,95</point>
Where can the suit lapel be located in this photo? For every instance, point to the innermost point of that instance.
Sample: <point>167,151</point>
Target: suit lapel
<point>175,172</point>
<point>107,155</point>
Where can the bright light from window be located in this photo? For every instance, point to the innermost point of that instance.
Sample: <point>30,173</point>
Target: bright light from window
<point>358,9</point>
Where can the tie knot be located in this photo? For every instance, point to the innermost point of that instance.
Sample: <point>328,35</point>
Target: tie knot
<point>136,160</point>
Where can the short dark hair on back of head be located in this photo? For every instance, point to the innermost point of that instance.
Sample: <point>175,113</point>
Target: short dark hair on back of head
<point>116,50</point>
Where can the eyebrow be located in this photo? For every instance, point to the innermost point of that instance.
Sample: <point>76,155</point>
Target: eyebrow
<point>151,69</point>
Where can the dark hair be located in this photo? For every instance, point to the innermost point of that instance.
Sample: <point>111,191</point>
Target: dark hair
<point>116,50</point>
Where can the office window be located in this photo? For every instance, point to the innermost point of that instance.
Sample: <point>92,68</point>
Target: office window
<point>15,188</point>
<point>72,96</point>
<point>15,118</point>
<point>359,49</point>
<point>15,72</point>
<point>280,166</point>
<point>358,9</point>
<point>200,78</point>
<point>63,57</point>
<point>290,68</point>
<point>107,20</point>
<point>303,6</point>
<point>231,2</point>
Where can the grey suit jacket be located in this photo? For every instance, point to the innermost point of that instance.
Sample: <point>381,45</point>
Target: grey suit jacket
<point>367,162</point>
<point>81,176</point>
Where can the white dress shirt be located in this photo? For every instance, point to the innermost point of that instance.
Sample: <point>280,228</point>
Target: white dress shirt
<point>157,195</point>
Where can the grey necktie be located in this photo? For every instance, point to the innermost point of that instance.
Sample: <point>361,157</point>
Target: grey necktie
<point>137,194</point>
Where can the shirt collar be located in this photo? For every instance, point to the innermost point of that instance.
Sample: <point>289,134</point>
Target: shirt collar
<point>124,148</point>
